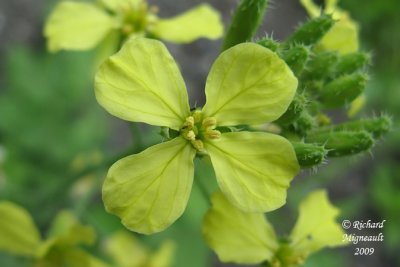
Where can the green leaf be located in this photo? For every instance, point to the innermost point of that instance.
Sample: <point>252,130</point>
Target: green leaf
<point>76,26</point>
<point>316,226</point>
<point>201,21</point>
<point>18,232</point>
<point>150,190</point>
<point>253,169</point>
<point>236,236</point>
<point>248,84</point>
<point>142,83</point>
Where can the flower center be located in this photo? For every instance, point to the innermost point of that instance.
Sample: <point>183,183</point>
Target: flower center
<point>138,18</point>
<point>196,129</point>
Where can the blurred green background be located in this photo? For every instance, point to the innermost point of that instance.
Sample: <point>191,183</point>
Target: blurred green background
<point>56,143</point>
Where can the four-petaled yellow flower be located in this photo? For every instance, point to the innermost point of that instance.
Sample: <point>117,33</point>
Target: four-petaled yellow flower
<point>247,84</point>
<point>81,26</point>
<point>248,238</point>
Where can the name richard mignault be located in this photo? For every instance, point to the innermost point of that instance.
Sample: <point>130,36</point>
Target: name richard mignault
<point>362,238</point>
<point>368,224</point>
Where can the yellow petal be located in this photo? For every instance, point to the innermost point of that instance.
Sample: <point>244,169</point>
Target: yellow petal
<point>312,9</point>
<point>248,84</point>
<point>76,26</point>
<point>142,83</point>
<point>356,105</point>
<point>120,5</point>
<point>201,21</point>
<point>150,190</point>
<point>343,37</point>
<point>236,236</point>
<point>18,233</point>
<point>163,256</point>
<point>66,232</point>
<point>316,226</point>
<point>253,170</point>
<point>125,250</point>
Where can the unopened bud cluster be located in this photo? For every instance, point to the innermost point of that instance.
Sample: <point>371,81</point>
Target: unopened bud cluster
<point>327,80</point>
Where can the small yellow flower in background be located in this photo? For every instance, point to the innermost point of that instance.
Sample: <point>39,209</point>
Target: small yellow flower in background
<point>126,251</point>
<point>343,37</point>
<point>20,236</point>
<point>248,238</point>
<point>81,26</point>
<point>247,84</point>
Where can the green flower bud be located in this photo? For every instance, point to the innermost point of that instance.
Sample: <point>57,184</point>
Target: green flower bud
<point>320,66</point>
<point>343,143</point>
<point>375,126</point>
<point>304,123</point>
<point>309,155</point>
<point>312,31</point>
<point>343,90</point>
<point>350,63</point>
<point>269,43</point>
<point>294,110</point>
<point>246,19</point>
<point>296,57</point>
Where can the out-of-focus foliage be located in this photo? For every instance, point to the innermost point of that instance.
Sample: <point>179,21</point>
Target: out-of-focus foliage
<point>48,117</point>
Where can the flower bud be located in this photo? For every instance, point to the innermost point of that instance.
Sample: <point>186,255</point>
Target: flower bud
<point>342,143</point>
<point>312,31</point>
<point>294,110</point>
<point>269,43</point>
<point>320,66</point>
<point>296,57</point>
<point>375,126</point>
<point>309,155</point>
<point>343,90</point>
<point>350,63</point>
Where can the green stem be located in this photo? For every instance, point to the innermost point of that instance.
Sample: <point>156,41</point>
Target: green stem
<point>203,188</point>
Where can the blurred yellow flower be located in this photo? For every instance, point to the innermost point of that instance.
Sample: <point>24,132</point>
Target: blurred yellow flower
<point>248,238</point>
<point>343,36</point>
<point>81,26</point>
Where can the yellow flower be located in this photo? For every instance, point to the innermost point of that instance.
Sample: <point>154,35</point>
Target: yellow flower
<point>81,26</point>
<point>248,238</point>
<point>343,36</point>
<point>20,236</point>
<point>126,251</point>
<point>247,84</point>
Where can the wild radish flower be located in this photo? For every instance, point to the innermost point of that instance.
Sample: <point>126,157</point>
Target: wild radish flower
<point>247,84</point>
<point>248,238</point>
<point>81,26</point>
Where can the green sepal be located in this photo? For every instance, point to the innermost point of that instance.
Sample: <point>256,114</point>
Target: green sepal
<point>343,90</point>
<point>312,31</point>
<point>320,66</point>
<point>294,110</point>
<point>245,22</point>
<point>375,126</point>
<point>350,63</point>
<point>296,57</point>
<point>269,43</point>
<point>343,143</point>
<point>309,155</point>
